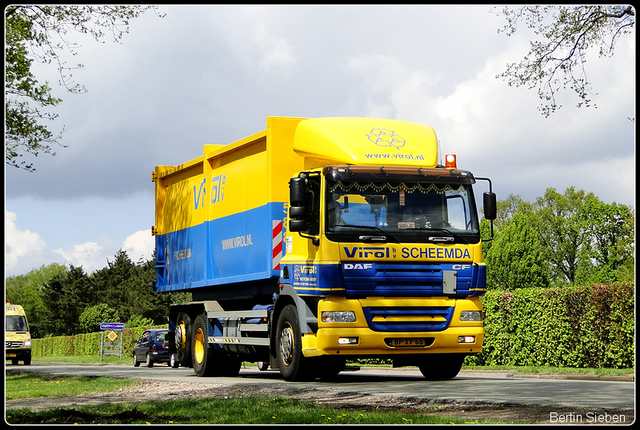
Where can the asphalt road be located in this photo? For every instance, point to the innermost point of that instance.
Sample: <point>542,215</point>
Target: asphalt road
<point>567,394</point>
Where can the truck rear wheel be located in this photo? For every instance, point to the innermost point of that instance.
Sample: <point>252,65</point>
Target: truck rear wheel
<point>202,353</point>
<point>183,339</point>
<point>173,361</point>
<point>206,360</point>
<point>291,362</point>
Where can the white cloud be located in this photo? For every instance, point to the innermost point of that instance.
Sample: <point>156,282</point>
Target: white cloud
<point>139,245</point>
<point>86,255</point>
<point>275,53</point>
<point>379,76</point>
<point>26,250</point>
<point>18,243</point>
<point>498,132</point>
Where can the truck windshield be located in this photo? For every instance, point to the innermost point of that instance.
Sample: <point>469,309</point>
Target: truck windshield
<point>16,323</point>
<point>420,212</point>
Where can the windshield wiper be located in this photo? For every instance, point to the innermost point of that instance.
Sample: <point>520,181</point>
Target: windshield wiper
<point>385,235</point>
<point>451,236</point>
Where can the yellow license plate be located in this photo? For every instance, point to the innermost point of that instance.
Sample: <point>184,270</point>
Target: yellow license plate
<point>408,342</point>
<point>11,355</point>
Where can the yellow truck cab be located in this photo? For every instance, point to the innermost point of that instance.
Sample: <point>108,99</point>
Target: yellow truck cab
<point>322,240</point>
<point>16,335</point>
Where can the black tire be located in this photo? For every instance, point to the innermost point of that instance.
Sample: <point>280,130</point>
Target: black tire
<point>136,363</point>
<point>329,367</point>
<point>229,365</point>
<point>183,339</point>
<point>291,362</point>
<point>148,361</point>
<point>440,367</point>
<point>206,361</point>
<point>201,353</point>
<point>27,360</point>
<point>174,363</point>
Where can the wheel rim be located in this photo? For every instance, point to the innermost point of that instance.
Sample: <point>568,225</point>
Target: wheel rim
<point>286,344</point>
<point>198,347</point>
<point>180,336</point>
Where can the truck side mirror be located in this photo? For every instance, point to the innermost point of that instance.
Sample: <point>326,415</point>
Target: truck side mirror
<point>297,191</point>
<point>297,210</point>
<point>490,205</point>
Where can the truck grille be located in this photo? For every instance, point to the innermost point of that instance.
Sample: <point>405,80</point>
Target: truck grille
<point>14,344</point>
<point>408,319</point>
<point>405,280</point>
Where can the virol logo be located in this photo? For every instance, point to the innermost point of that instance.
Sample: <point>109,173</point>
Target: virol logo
<point>366,252</point>
<point>384,137</point>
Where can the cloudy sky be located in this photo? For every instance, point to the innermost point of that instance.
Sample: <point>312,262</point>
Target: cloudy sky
<point>212,74</point>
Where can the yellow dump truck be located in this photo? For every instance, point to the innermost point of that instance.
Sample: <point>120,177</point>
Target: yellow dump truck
<point>321,240</point>
<point>16,335</point>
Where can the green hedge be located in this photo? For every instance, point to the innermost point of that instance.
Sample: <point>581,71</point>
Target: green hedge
<point>83,344</point>
<point>569,327</point>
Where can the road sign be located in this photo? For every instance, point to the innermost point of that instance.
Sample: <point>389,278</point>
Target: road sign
<point>111,326</point>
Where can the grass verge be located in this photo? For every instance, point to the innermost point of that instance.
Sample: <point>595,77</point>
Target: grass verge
<point>549,370</point>
<point>29,385</point>
<point>249,410</point>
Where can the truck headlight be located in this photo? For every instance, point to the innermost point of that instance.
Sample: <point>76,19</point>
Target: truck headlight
<point>27,343</point>
<point>471,316</point>
<point>338,317</point>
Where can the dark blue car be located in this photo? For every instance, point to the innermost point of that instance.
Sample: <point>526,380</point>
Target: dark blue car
<point>152,347</point>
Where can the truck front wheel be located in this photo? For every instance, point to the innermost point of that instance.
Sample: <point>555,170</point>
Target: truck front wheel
<point>440,367</point>
<point>289,345</point>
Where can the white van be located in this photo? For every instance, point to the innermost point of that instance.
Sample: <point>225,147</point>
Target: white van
<point>16,335</point>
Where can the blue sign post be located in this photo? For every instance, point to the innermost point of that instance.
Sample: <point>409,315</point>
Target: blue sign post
<point>111,326</point>
<point>105,347</point>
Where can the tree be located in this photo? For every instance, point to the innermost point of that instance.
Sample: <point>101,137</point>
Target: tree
<point>611,241</point>
<point>63,301</point>
<point>67,295</point>
<point>126,287</point>
<point>562,230</point>
<point>39,33</point>
<point>507,208</point>
<point>113,282</point>
<point>29,291</point>
<point>515,259</point>
<point>138,321</point>
<point>92,316</point>
<point>558,60</point>
<point>580,240</point>
<point>23,132</point>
